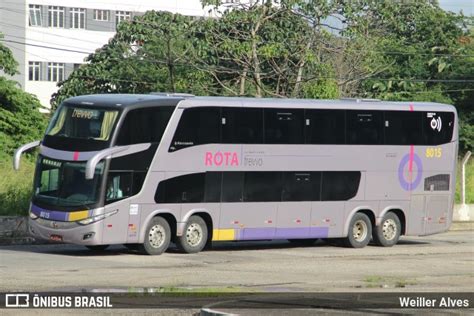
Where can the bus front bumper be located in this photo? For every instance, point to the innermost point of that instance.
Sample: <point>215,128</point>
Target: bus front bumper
<point>66,232</point>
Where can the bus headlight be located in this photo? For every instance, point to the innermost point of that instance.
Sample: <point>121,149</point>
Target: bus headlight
<point>96,218</point>
<point>33,215</point>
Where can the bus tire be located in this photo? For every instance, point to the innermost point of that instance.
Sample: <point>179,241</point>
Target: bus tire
<point>97,248</point>
<point>157,237</point>
<point>388,232</point>
<point>194,237</point>
<point>360,231</point>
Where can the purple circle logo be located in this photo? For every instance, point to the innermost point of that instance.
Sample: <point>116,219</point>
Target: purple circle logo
<point>412,182</point>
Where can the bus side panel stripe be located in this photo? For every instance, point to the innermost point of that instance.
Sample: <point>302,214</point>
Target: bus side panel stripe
<point>47,214</point>
<point>295,232</point>
<point>319,232</point>
<point>282,233</point>
<point>257,233</point>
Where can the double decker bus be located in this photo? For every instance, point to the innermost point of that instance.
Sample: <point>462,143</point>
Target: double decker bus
<point>147,170</point>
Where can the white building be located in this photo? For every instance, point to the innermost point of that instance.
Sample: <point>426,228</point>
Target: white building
<point>49,38</point>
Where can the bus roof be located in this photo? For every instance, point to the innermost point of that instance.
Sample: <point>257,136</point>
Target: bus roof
<point>316,104</point>
<point>124,100</point>
<point>185,101</point>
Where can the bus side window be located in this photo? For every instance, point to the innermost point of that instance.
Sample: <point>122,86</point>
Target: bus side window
<point>213,185</point>
<point>301,186</point>
<point>197,126</point>
<point>325,126</point>
<point>437,127</point>
<point>364,127</point>
<point>144,125</point>
<point>232,186</point>
<point>242,126</point>
<point>339,185</point>
<point>182,189</point>
<point>119,186</point>
<point>262,187</point>
<point>403,128</point>
<point>284,126</point>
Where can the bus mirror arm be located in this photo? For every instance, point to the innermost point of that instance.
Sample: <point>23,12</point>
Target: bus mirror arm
<point>117,151</point>
<point>21,150</point>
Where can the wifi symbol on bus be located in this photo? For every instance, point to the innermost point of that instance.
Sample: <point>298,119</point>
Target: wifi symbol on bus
<point>436,124</point>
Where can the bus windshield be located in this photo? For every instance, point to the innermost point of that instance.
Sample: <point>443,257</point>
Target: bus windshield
<point>63,183</point>
<point>77,122</point>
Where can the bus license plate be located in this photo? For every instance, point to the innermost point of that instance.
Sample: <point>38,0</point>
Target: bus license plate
<point>56,237</point>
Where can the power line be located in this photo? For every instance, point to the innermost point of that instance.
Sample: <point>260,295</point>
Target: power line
<point>43,46</point>
<point>220,68</point>
<point>155,24</point>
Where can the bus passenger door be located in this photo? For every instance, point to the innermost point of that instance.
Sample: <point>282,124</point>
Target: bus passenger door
<point>117,227</point>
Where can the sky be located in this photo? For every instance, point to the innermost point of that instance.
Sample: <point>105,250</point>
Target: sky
<point>467,6</point>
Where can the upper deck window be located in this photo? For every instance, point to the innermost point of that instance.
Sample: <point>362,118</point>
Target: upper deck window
<point>197,126</point>
<point>76,122</point>
<point>284,126</point>
<point>437,127</point>
<point>325,126</point>
<point>145,125</point>
<point>364,127</point>
<point>242,126</point>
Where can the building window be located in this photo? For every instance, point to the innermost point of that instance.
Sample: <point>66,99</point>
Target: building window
<point>34,71</point>
<point>101,15</point>
<point>122,16</point>
<point>56,16</point>
<point>55,71</point>
<point>78,18</point>
<point>35,15</point>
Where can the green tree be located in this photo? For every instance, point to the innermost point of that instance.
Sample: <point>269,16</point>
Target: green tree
<point>20,119</point>
<point>266,49</point>
<point>149,53</point>
<point>7,63</point>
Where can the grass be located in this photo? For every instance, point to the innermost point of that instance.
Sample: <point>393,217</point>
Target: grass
<point>16,186</point>
<point>184,289</point>
<point>469,182</point>
<point>378,281</point>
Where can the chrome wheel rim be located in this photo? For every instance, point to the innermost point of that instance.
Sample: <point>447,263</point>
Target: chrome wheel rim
<point>359,230</point>
<point>194,234</point>
<point>157,236</point>
<point>389,229</point>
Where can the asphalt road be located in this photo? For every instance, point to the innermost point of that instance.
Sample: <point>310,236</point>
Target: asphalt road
<point>443,262</point>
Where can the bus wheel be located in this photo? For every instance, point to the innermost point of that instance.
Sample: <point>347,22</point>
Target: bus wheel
<point>194,237</point>
<point>303,242</point>
<point>98,248</point>
<point>360,231</point>
<point>388,232</point>
<point>157,237</point>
